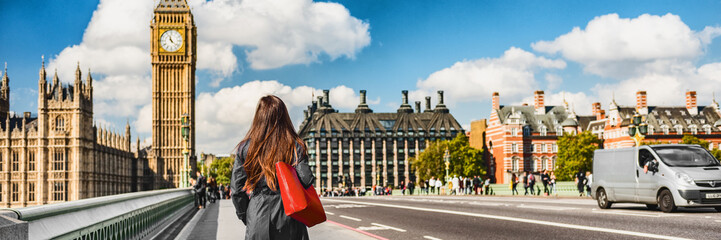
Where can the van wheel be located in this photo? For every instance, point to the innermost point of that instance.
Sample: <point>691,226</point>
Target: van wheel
<point>651,206</point>
<point>602,198</point>
<point>665,201</point>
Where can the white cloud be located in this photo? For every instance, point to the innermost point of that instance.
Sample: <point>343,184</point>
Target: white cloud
<point>115,46</point>
<point>553,81</point>
<point>280,32</point>
<point>611,46</point>
<point>513,75</point>
<point>224,117</point>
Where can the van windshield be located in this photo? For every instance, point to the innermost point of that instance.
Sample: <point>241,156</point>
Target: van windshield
<point>686,156</point>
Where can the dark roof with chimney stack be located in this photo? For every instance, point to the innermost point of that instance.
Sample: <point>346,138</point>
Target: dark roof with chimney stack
<point>321,117</point>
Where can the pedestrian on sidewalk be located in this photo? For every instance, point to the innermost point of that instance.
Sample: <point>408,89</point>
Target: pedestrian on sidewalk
<point>589,180</point>
<point>580,182</point>
<point>439,184</point>
<point>487,186</point>
<point>456,184</point>
<point>514,184</point>
<point>532,183</point>
<point>525,183</point>
<point>403,188</point>
<point>477,185</point>
<point>200,184</point>
<point>553,184</point>
<point>256,197</point>
<point>432,185</point>
<point>411,187</point>
<point>545,179</point>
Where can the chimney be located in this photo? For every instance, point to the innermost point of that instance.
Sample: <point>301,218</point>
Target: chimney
<point>418,106</point>
<point>305,113</point>
<point>26,115</point>
<point>405,108</point>
<point>596,110</point>
<point>601,115</point>
<point>641,103</point>
<point>326,97</point>
<point>363,107</point>
<point>320,102</point>
<point>495,99</point>
<point>538,102</point>
<point>362,97</point>
<point>440,107</point>
<point>691,105</point>
<point>428,104</point>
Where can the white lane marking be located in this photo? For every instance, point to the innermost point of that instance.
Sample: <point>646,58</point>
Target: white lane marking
<point>329,213</point>
<point>389,227</point>
<point>544,207</point>
<point>514,219</point>
<point>717,220</point>
<point>431,238</point>
<point>371,228</point>
<point>630,213</point>
<point>351,218</point>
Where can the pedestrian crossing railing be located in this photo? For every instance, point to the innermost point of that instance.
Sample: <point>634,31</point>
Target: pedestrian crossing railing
<point>125,216</point>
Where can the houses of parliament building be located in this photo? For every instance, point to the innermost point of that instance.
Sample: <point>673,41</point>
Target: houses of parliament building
<point>60,155</point>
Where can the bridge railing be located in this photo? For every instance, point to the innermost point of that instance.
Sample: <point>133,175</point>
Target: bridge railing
<point>124,216</point>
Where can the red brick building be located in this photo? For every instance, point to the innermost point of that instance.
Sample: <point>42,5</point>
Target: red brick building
<point>523,138</point>
<point>666,124</point>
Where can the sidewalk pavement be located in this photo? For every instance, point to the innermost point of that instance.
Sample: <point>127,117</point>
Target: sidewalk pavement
<point>218,221</point>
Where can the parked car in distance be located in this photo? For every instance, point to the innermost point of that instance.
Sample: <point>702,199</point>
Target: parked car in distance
<point>661,176</point>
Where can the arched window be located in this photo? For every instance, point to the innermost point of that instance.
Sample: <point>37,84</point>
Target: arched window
<point>707,129</point>
<point>543,130</point>
<point>544,163</point>
<point>553,163</point>
<point>59,123</point>
<point>514,164</point>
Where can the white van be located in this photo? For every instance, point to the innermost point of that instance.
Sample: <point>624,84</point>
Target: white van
<point>664,176</point>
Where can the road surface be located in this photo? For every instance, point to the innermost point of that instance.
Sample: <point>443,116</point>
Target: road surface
<point>473,217</point>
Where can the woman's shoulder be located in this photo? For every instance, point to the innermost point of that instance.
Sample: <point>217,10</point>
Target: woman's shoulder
<point>241,149</point>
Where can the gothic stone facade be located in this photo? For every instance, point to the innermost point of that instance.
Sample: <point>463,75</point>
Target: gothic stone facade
<point>364,148</point>
<point>173,89</point>
<point>59,155</point>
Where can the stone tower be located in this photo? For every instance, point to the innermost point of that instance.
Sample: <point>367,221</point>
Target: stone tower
<point>5,94</point>
<point>173,52</point>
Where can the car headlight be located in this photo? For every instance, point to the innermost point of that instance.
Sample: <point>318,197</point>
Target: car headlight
<point>684,178</point>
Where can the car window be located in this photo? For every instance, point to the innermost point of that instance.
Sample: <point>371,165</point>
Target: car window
<point>644,156</point>
<point>686,156</point>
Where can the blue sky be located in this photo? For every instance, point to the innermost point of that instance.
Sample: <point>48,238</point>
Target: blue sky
<point>467,48</point>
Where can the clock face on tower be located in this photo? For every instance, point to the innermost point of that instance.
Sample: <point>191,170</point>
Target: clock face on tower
<point>171,40</point>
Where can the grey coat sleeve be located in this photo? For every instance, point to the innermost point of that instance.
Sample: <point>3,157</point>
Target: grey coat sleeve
<point>304,173</point>
<point>237,182</point>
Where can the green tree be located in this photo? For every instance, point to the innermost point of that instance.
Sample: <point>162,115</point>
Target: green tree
<point>464,160</point>
<point>221,169</point>
<point>690,139</point>
<point>575,153</point>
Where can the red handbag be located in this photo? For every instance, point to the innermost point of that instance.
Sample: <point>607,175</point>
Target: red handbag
<point>299,203</point>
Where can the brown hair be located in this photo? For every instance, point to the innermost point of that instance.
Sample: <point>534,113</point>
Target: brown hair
<point>271,138</point>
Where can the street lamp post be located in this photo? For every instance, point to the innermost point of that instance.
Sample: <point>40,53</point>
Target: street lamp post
<point>638,129</point>
<point>185,132</point>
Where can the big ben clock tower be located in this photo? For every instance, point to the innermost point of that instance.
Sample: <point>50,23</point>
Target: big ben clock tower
<point>172,48</point>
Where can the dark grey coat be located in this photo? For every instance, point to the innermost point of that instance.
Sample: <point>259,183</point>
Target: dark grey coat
<point>262,212</point>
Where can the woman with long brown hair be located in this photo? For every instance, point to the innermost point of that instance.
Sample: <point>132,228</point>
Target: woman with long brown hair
<point>254,187</point>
